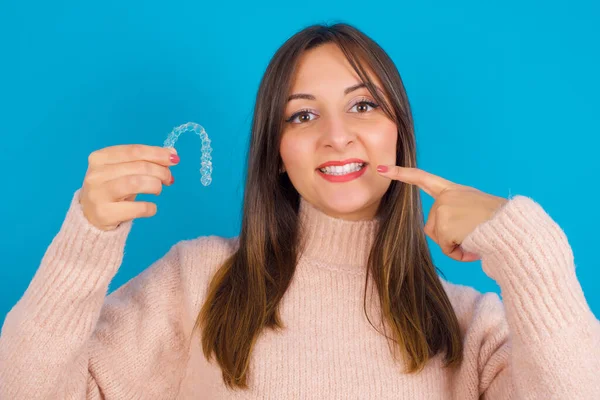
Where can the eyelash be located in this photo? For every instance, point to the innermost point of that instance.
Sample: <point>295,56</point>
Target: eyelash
<point>307,111</point>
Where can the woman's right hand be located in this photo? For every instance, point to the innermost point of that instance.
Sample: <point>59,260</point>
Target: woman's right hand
<point>116,174</point>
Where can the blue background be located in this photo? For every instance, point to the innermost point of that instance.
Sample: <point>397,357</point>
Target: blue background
<point>504,95</point>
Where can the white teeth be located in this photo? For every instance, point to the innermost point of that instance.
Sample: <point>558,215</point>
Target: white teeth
<point>342,170</point>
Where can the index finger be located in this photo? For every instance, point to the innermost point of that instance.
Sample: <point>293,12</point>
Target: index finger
<point>432,184</point>
<point>133,152</point>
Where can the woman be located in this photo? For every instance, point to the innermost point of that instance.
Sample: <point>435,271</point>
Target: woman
<point>329,291</point>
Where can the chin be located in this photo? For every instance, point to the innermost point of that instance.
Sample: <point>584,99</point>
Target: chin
<point>341,204</point>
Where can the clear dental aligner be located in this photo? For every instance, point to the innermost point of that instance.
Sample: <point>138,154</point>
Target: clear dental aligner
<point>206,163</point>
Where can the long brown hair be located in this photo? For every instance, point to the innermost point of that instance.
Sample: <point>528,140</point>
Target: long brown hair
<point>245,292</point>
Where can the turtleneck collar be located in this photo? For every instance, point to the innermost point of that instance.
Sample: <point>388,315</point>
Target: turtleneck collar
<point>333,240</point>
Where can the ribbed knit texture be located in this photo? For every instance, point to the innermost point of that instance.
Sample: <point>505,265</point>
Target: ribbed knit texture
<point>66,339</point>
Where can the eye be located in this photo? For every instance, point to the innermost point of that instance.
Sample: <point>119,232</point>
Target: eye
<point>303,115</point>
<point>364,106</point>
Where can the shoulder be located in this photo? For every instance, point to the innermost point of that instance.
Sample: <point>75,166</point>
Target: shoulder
<point>208,249</point>
<point>485,335</point>
<point>199,259</point>
<point>475,309</point>
<point>203,255</point>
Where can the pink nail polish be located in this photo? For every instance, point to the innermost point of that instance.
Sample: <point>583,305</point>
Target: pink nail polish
<point>382,168</point>
<point>174,158</point>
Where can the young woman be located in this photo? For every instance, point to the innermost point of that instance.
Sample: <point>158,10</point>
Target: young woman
<point>329,291</point>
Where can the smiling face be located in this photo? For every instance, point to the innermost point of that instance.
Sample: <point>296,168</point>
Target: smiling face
<point>330,117</point>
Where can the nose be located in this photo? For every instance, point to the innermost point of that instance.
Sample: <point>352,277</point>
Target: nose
<point>338,134</point>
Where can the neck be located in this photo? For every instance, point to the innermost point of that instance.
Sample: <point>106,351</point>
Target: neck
<point>333,240</point>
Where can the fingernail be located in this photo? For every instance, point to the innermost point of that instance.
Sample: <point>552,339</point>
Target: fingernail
<point>174,158</point>
<point>382,168</point>
<point>172,180</point>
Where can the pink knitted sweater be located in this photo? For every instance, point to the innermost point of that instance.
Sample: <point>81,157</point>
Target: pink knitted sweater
<point>66,339</point>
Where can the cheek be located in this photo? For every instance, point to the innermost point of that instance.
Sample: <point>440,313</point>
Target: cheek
<point>294,152</point>
<point>382,140</point>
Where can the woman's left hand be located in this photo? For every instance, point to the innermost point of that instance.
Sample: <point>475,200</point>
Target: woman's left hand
<point>456,212</point>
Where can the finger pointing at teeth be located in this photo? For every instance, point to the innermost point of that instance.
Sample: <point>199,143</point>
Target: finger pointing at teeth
<point>432,184</point>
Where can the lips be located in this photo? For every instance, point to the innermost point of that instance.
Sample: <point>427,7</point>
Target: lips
<point>344,177</point>
<point>340,163</point>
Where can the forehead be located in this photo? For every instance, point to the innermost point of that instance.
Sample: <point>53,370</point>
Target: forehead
<point>326,64</point>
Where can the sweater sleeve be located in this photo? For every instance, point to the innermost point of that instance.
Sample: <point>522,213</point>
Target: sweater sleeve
<point>542,341</point>
<point>64,339</point>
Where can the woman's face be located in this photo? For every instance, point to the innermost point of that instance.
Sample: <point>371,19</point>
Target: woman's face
<point>332,122</point>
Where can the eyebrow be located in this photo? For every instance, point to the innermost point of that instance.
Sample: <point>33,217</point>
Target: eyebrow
<point>346,91</point>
